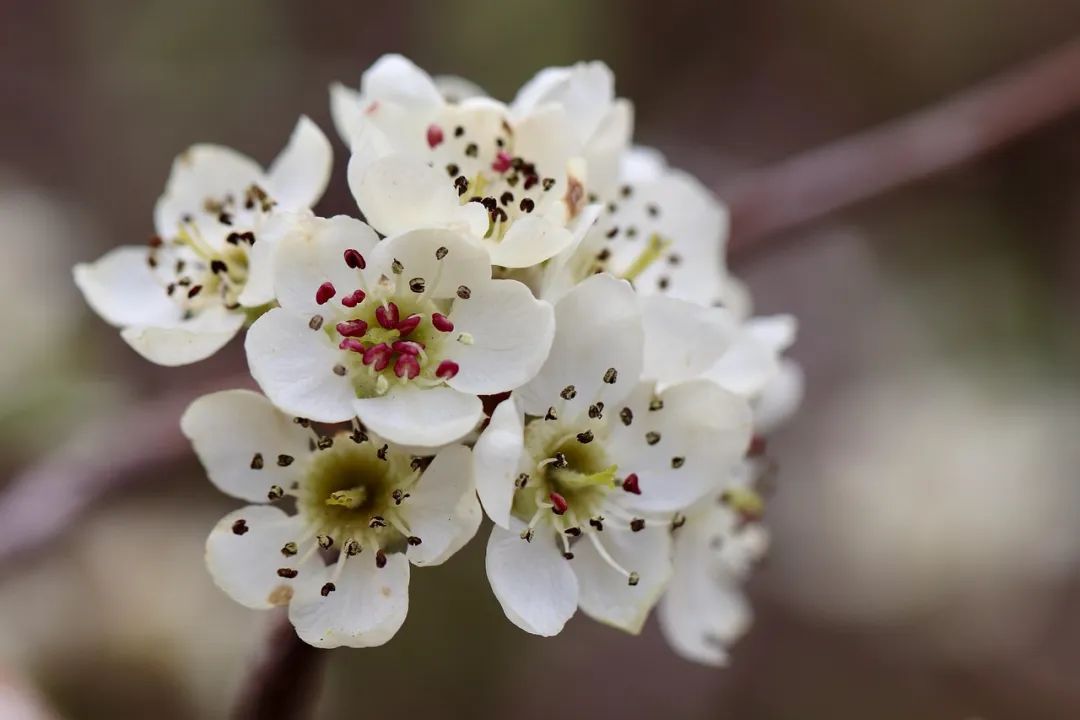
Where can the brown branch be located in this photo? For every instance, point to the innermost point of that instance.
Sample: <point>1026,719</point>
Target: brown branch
<point>989,115</point>
<point>284,681</point>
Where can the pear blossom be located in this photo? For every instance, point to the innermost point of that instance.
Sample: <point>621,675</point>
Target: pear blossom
<point>716,544</point>
<point>513,181</point>
<point>403,333</point>
<point>365,510</point>
<point>203,275</point>
<point>584,469</point>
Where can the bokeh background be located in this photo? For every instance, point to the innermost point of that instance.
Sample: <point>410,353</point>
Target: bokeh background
<point>926,515</point>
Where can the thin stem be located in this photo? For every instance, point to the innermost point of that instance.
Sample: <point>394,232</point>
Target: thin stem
<point>979,120</point>
<point>284,680</point>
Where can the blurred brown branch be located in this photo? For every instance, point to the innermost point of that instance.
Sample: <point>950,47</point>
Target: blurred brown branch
<point>985,117</point>
<point>283,682</point>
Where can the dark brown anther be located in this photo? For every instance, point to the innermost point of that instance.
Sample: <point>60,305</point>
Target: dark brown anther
<point>441,253</point>
<point>472,149</point>
<point>522,480</point>
<point>560,460</point>
<point>677,462</point>
<point>287,573</point>
<point>325,541</point>
<point>663,282</point>
<point>464,292</point>
<point>417,284</point>
<point>327,589</point>
<point>652,209</point>
<point>340,370</point>
<point>376,521</point>
<point>612,232</point>
<point>397,495</point>
<point>351,547</point>
<point>325,442</point>
<point>248,237</point>
<point>568,555</point>
<point>240,527</point>
<point>225,218</point>
<point>194,291</point>
<point>257,461</point>
<point>413,540</point>
<point>459,131</point>
<point>506,198</point>
<point>289,549</point>
<point>380,559</point>
<point>652,437</point>
<point>611,375</point>
<point>626,415</point>
<point>527,205</point>
<point>396,267</point>
<point>656,404</point>
<point>233,238</point>
<point>597,523</point>
<point>678,521</point>
<point>573,531</point>
<point>381,452</point>
<point>637,524</point>
<point>276,492</point>
<point>633,580</point>
<point>358,436</point>
<point>284,460</point>
<point>452,169</point>
<point>551,414</point>
<point>568,393</point>
<point>302,422</point>
<point>585,437</point>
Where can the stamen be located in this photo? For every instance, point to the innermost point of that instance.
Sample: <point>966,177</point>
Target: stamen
<point>353,299</point>
<point>388,316</point>
<point>316,322</point>
<point>276,492</point>
<point>284,460</point>
<point>630,484</point>
<point>327,589</point>
<point>637,524</point>
<point>380,559</point>
<point>352,328</point>
<point>354,259</point>
<point>407,366</point>
<point>441,322</point>
<point>324,293</point>
<point>558,502</point>
<point>758,445</point>
<point>257,462</point>
<point>378,356</point>
<point>502,162</point>
<point>417,284</point>
<point>240,527</point>
<point>434,136</point>
<point>287,573</point>
<point>447,369</point>
<point>632,578</point>
<point>351,344</point>
<point>409,324</point>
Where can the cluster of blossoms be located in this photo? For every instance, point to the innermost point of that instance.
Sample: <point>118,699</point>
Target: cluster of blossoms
<point>533,318</point>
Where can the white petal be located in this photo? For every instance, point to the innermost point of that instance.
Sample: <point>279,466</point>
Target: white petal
<point>346,111</point>
<point>585,91</point>
<point>454,89</point>
<point>748,366</point>
<point>259,288</point>
<point>313,253</point>
<point>642,164</point>
<point>512,332</point>
<point>779,400</point>
<point>606,595</point>
<point>468,517</point>
<point>547,138</point>
<point>121,287</point>
<point>299,175</point>
<point>607,146</point>
<point>531,580</point>
<point>187,342</point>
<point>497,459</point>
<point>201,172</point>
<point>422,417</point>
<point>702,430</point>
<point>682,339</point>
<point>529,241</point>
<point>597,327</point>
<point>244,559</point>
<point>464,263</point>
<point>294,366</point>
<point>702,612</point>
<point>396,79</point>
<point>366,608</point>
<point>776,331</point>
<point>431,510</point>
<point>229,428</point>
<point>398,194</point>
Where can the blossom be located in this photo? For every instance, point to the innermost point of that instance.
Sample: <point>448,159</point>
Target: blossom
<point>365,510</point>
<point>717,542</point>
<point>184,297</point>
<point>405,333</point>
<point>584,468</point>
<point>513,181</point>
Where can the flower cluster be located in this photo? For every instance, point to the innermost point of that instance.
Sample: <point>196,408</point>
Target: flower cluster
<point>533,317</point>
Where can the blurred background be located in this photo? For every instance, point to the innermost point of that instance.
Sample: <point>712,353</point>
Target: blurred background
<point>926,515</point>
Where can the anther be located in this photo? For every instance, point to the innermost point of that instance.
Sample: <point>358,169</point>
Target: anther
<point>327,589</point>
<point>558,503</point>
<point>381,452</point>
<point>471,149</point>
<point>397,495</point>
<point>585,437</point>
<point>522,480</point>
<point>502,162</point>
<point>441,253</point>
<point>324,293</point>
<point>526,534</point>
<point>352,328</point>
<point>351,547</point>
<point>378,356</point>
<point>352,345</point>
<point>409,324</point>
<point>240,527</point>
<point>325,442</point>
<point>315,323</point>
<point>656,404</point>
<point>257,461</point>
<point>527,205</point>
<point>612,232</point>
<point>377,521</point>
<point>611,375</point>
<point>289,549</point>
<point>325,541</point>
<point>678,521</point>
<point>276,492</point>
<point>380,559</point>
<point>358,436</point>
<point>633,579</point>
<point>459,131</point>
<point>434,136</point>
<point>573,531</point>
<point>396,267</point>
<point>652,209</point>
<point>568,555</point>
<point>758,445</point>
<point>447,369</point>
<point>597,523</point>
<point>551,414</point>
<point>652,437</point>
<point>559,460</point>
<point>194,291</point>
<point>637,524</point>
<point>354,298</point>
<point>218,266</point>
<point>464,292</point>
<point>417,284</point>
<point>413,540</point>
<point>441,322</point>
<point>388,316</point>
<point>406,366</point>
<point>630,484</point>
<point>452,169</point>
<point>568,393</point>
<point>506,198</point>
<point>354,259</point>
<point>407,347</point>
<point>287,573</point>
<point>284,460</point>
<point>677,462</point>
<point>548,183</point>
<point>596,411</point>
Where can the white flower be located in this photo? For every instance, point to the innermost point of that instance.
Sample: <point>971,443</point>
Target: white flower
<point>513,181</point>
<point>704,610</point>
<point>583,468</point>
<point>404,333</point>
<point>184,297</point>
<point>368,507</point>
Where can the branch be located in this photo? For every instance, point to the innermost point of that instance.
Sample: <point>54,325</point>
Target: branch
<point>282,684</point>
<point>982,119</point>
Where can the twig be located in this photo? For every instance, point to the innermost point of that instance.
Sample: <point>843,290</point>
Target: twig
<point>284,681</point>
<point>794,192</point>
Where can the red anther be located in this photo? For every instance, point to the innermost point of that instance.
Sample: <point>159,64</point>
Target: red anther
<point>447,369</point>
<point>378,356</point>
<point>559,504</point>
<point>353,299</point>
<point>757,447</point>
<point>407,366</point>
<point>441,322</point>
<point>409,324</point>
<point>325,292</point>
<point>352,344</point>
<point>502,162</point>
<point>387,315</point>
<point>352,328</point>
<point>630,484</point>
<point>354,259</point>
<point>372,108</point>
<point>407,347</point>
<point>434,136</point>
